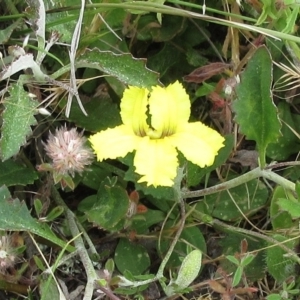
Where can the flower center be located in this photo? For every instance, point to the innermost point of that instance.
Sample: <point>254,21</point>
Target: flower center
<point>153,134</point>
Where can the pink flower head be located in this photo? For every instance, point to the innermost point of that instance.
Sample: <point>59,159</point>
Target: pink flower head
<point>7,254</point>
<point>68,151</point>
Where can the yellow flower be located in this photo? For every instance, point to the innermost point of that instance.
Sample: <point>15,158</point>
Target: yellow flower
<point>155,125</point>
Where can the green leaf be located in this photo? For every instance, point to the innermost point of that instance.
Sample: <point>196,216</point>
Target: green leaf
<point>189,236</point>
<point>189,269</point>
<point>274,297</point>
<point>230,245</point>
<point>247,260</point>
<point>150,217</point>
<point>87,203</point>
<point>94,176</point>
<point>288,142</point>
<point>102,113</point>
<point>172,26</point>
<point>38,206</point>
<point>125,67</point>
<point>269,10</point>
<point>48,288</point>
<point>205,89</point>
<point>279,265</point>
<point>17,119</point>
<point>15,216</point>
<point>13,173</point>
<point>229,205</point>
<point>54,213</point>
<point>280,219</point>
<point>255,111</point>
<point>291,206</point>
<point>290,20</point>
<point>297,189</point>
<point>64,21</point>
<point>110,209</point>
<point>237,276</point>
<point>163,60</point>
<point>7,32</point>
<point>233,259</point>
<point>110,265</point>
<point>131,257</point>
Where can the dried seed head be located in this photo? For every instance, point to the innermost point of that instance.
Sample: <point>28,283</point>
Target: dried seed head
<point>8,256</point>
<point>68,151</point>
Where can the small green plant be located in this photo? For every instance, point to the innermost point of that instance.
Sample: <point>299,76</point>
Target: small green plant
<point>241,263</point>
<point>288,291</point>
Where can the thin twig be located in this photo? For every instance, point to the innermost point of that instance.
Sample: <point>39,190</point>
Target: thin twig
<point>282,164</point>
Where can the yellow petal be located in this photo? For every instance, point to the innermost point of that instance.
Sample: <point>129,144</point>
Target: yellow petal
<point>169,107</point>
<point>156,161</point>
<point>198,143</point>
<point>113,143</point>
<point>133,109</point>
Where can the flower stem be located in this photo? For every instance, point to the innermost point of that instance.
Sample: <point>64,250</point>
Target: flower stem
<point>271,240</point>
<point>79,244</point>
<point>179,199</point>
<point>255,173</point>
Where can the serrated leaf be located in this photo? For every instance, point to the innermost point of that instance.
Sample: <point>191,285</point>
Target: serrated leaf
<point>13,173</point>
<point>17,119</point>
<point>125,67</point>
<point>23,62</point>
<point>255,111</point>
<point>15,216</point>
